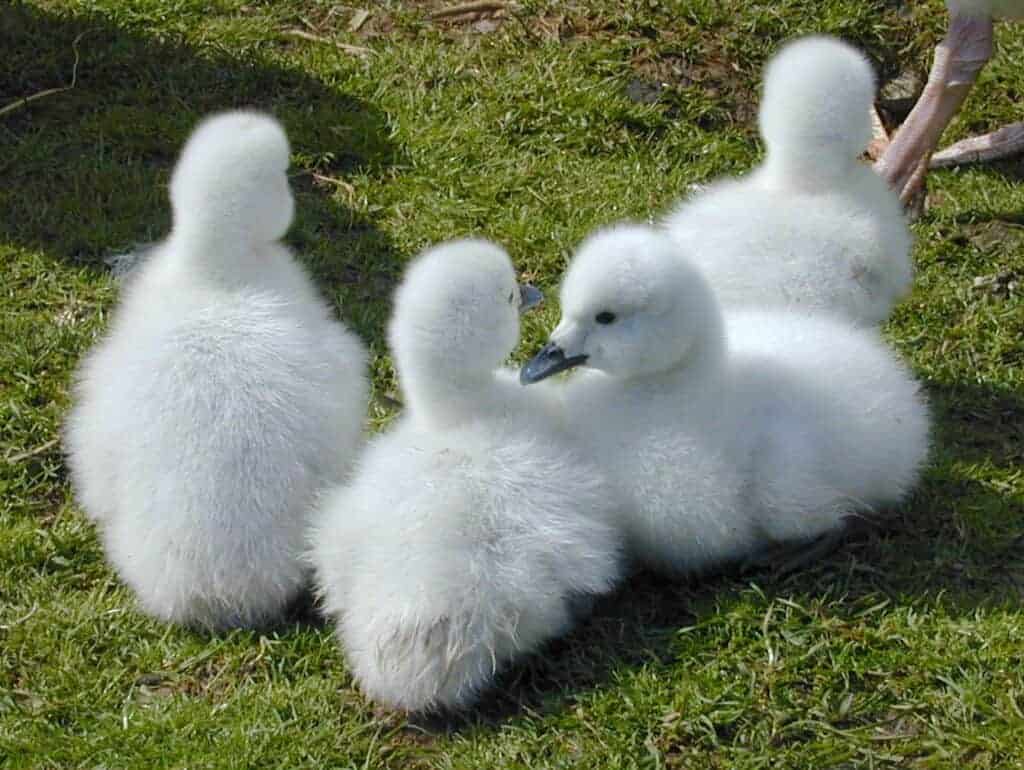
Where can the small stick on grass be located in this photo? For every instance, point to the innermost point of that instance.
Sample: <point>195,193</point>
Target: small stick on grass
<point>359,18</point>
<point>32,452</point>
<point>24,101</point>
<point>355,50</point>
<point>22,619</point>
<point>479,6</point>
<point>339,183</point>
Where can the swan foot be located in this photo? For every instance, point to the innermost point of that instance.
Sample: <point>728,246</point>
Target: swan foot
<point>791,556</point>
<point>997,145</point>
<point>959,58</point>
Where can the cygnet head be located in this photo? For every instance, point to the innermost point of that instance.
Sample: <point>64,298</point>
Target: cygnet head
<point>456,319</point>
<point>230,184</point>
<point>818,93</point>
<point>632,306</point>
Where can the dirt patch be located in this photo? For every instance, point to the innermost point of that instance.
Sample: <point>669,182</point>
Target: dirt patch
<point>713,78</point>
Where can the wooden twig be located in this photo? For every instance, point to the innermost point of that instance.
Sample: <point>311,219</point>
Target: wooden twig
<point>340,183</point>
<point>32,452</point>
<point>24,101</point>
<point>22,619</point>
<point>359,18</point>
<point>355,50</point>
<point>478,6</point>
<point>330,15</point>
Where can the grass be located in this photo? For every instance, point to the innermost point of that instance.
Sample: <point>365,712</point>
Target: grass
<point>903,649</point>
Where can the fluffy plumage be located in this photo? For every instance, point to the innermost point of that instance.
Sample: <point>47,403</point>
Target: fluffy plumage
<point>471,530</point>
<point>224,396</point>
<point>811,228</point>
<point>724,435</point>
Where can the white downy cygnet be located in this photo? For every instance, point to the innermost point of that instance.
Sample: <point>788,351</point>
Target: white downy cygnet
<point>471,531</point>
<point>812,228</point>
<point>724,437</point>
<point>223,398</point>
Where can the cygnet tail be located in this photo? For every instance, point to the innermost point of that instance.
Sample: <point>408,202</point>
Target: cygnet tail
<point>230,184</point>
<point>818,93</point>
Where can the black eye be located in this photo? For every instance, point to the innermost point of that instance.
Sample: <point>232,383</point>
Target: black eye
<point>604,317</point>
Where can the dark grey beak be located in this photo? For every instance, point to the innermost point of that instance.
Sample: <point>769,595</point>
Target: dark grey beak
<point>529,297</point>
<point>550,360</point>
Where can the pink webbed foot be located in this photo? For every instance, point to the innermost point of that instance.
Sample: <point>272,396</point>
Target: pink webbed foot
<point>959,58</point>
<point>1004,143</point>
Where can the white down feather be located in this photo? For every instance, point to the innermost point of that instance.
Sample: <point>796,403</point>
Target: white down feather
<point>222,398</point>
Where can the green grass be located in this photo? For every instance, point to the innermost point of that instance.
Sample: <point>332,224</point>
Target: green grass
<point>903,649</point>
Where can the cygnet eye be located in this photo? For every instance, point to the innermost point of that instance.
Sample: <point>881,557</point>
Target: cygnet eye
<point>604,317</point>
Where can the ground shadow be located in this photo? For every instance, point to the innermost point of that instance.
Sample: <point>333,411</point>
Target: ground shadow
<point>84,171</point>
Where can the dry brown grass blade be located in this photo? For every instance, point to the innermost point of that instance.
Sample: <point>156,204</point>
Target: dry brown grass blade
<point>355,50</point>
<point>359,18</point>
<point>478,6</point>
<point>44,447</point>
<point>24,101</point>
<point>339,184</point>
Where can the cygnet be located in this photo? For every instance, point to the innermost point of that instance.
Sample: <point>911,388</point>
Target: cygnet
<point>472,531</point>
<point>812,228</point>
<point>224,396</point>
<point>726,436</point>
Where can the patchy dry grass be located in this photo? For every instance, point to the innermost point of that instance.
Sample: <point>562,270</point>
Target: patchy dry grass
<point>901,650</point>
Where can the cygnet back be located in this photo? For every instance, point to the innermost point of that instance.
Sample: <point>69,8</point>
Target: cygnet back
<point>223,398</point>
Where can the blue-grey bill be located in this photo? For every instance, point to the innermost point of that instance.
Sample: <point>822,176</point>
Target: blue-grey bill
<point>550,360</point>
<point>529,297</point>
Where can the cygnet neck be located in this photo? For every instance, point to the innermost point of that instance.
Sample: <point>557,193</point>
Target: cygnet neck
<point>701,367</point>
<point>808,168</point>
<point>446,399</point>
<point>221,253</point>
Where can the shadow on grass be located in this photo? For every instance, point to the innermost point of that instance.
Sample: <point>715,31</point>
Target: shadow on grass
<point>85,171</point>
<point>957,544</point>
<point>1010,169</point>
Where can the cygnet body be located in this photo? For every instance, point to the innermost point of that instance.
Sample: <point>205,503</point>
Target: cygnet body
<point>724,436</point>
<point>222,399</point>
<point>471,531</point>
<point>812,228</point>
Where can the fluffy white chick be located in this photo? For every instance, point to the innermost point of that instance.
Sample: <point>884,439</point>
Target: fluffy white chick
<point>724,437</point>
<point>223,397</point>
<point>812,228</point>
<point>471,531</point>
